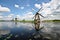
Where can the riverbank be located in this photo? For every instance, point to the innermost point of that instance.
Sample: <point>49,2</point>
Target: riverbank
<point>51,21</point>
<point>24,21</point>
<point>29,21</point>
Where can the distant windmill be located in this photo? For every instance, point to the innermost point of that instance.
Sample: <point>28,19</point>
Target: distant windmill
<point>15,19</point>
<point>37,16</point>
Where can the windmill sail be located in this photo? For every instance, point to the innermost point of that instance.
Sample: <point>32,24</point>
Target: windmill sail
<point>41,15</point>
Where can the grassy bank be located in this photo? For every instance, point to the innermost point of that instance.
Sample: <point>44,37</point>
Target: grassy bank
<point>51,21</point>
<point>27,21</point>
<point>30,21</point>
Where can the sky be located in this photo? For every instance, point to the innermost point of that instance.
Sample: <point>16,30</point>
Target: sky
<point>26,9</point>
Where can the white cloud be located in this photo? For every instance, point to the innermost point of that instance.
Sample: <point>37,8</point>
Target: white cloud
<point>38,6</point>
<point>8,17</point>
<point>51,10</point>
<point>4,9</point>
<point>18,16</point>
<point>22,7</point>
<point>1,17</point>
<point>26,16</point>
<point>17,6</point>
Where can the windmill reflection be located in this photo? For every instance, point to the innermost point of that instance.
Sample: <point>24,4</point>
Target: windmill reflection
<point>15,23</point>
<point>37,26</point>
<point>37,34</point>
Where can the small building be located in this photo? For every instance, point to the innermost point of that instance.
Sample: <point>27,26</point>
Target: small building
<point>15,19</point>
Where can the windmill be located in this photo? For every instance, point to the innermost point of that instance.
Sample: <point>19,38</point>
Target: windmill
<point>37,16</point>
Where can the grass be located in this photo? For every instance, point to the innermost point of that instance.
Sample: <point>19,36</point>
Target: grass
<point>25,21</point>
<point>30,21</point>
<point>51,21</point>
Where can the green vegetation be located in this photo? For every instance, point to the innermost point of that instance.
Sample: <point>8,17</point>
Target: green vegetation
<point>30,21</point>
<point>27,21</point>
<point>51,21</point>
<point>1,20</point>
<point>47,21</point>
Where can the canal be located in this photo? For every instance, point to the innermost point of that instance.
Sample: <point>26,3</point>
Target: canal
<point>29,31</point>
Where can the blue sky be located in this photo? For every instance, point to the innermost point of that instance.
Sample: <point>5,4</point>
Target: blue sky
<point>25,9</point>
<point>21,3</point>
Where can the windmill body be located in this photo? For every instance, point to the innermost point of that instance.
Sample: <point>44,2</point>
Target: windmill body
<point>37,17</point>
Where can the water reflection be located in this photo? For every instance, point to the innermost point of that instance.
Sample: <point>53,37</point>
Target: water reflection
<point>37,26</point>
<point>25,31</point>
<point>15,23</point>
<point>52,30</point>
<point>4,32</point>
<point>39,34</point>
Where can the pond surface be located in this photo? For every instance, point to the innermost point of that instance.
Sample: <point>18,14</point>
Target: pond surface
<point>29,31</point>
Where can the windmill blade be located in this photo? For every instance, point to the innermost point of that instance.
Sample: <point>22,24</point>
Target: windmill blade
<point>41,15</point>
<point>40,9</point>
<point>33,17</point>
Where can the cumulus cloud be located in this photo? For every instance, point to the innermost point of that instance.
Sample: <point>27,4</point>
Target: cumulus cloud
<point>4,9</point>
<point>18,16</point>
<point>51,10</point>
<point>26,16</point>
<point>22,7</point>
<point>38,6</point>
<point>17,6</point>
<point>8,17</point>
<point>1,17</point>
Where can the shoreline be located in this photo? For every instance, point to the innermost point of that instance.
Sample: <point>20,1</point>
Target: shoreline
<point>28,21</point>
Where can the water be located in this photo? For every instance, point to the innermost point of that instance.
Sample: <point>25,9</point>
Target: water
<point>29,31</point>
